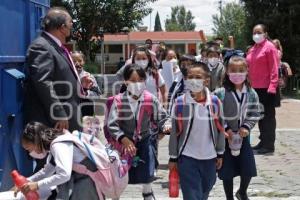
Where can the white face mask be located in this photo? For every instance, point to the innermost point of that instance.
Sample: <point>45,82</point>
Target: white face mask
<point>137,88</point>
<point>142,63</point>
<point>213,62</point>
<point>38,155</point>
<point>195,85</point>
<point>258,38</point>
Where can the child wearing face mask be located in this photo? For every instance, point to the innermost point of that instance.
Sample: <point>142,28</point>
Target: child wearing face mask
<point>154,81</point>
<point>216,68</point>
<point>57,173</point>
<point>196,145</point>
<point>178,87</point>
<point>123,124</point>
<point>241,112</point>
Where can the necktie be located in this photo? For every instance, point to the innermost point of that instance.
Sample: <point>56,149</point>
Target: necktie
<point>72,66</point>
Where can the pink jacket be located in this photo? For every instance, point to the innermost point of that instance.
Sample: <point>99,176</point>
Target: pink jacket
<point>263,64</point>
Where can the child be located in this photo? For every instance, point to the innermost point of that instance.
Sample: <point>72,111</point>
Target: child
<point>177,87</point>
<point>123,125</point>
<point>196,145</point>
<point>241,111</point>
<point>87,104</point>
<point>155,83</point>
<point>216,68</point>
<point>37,139</point>
<point>79,61</point>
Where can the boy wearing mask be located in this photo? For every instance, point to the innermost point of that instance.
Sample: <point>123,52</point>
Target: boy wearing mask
<point>216,68</point>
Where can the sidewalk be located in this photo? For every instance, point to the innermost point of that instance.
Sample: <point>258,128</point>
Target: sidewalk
<point>278,175</point>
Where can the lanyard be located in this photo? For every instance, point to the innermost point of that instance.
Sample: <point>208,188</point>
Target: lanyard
<point>240,102</point>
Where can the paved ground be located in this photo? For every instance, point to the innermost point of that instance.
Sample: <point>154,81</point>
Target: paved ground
<point>278,174</point>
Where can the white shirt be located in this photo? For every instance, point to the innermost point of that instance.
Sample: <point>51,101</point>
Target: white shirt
<point>65,154</point>
<point>200,144</point>
<point>56,40</point>
<point>241,105</point>
<point>134,103</point>
<point>151,83</point>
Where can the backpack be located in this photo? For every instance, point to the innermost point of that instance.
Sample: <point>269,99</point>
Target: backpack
<point>111,178</point>
<point>146,106</point>
<point>215,113</point>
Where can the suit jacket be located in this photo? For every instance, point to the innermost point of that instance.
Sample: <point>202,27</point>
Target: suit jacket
<point>51,85</point>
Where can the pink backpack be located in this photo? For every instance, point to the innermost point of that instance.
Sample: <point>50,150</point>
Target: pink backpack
<point>111,178</point>
<point>146,106</point>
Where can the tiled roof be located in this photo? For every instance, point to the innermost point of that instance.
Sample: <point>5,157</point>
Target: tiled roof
<point>154,36</point>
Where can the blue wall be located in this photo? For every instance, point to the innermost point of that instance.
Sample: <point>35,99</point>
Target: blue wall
<point>20,24</point>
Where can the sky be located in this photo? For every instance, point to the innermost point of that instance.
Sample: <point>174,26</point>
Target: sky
<point>202,10</point>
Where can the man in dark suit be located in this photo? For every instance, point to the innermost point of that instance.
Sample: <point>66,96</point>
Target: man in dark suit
<point>53,87</point>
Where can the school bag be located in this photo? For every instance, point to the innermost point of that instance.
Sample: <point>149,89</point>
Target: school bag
<point>111,177</point>
<point>215,113</point>
<point>146,107</point>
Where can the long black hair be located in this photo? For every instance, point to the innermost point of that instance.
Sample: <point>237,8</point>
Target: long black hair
<point>40,135</point>
<point>227,84</point>
<point>129,69</point>
<point>147,52</point>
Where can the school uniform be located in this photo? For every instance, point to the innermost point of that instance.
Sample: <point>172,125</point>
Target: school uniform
<point>122,123</point>
<point>153,84</point>
<point>57,174</point>
<point>196,148</point>
<point>175,91</point>
<point>241,109</point>
<point>216,74</point>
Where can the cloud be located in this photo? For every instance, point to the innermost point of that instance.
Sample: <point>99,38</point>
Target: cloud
<point>201,9</point>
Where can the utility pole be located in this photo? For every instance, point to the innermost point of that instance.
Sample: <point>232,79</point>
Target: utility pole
<point>220,7</point>
<point>150,21</point>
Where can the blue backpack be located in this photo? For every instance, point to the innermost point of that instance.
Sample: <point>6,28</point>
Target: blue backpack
<point>215,108</point>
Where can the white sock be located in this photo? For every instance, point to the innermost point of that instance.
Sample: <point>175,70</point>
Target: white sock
<point>147,188</point>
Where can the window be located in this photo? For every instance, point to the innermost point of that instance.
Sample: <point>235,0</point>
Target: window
<point>115,48</point>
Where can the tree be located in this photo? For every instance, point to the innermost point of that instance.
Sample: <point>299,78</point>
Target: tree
<point>231,22</point>
<point>282,20</point>
<point>157,26</point>
<point>112,15</point>
<point>180,20</point>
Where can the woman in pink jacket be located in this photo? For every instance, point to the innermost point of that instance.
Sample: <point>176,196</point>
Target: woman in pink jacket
<point>263,64</point>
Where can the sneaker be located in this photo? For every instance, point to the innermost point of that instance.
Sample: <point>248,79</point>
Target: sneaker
<point>240,196</point>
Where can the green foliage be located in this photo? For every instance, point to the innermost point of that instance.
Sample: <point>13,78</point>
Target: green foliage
<point>181,20</point>
<point>282,19</point>
<point>232,22</point>
<point>157,26</point>
<point>92,68</point>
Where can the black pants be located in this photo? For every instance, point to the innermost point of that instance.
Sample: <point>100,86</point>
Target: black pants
<point>267,125</point>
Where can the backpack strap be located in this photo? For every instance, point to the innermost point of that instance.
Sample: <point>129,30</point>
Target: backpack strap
<point>156,78</point>
<point>89,153</point>
<point>215,108</point>
<point>179,111</point>
<point>145,107</point>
